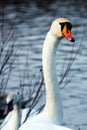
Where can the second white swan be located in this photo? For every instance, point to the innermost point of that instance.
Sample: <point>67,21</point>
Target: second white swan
<point>13,119</point>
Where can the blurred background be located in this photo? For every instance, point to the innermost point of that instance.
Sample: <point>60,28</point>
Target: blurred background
<point>23,27</point>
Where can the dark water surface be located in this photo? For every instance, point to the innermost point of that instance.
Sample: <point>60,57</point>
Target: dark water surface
<point>32,23</point>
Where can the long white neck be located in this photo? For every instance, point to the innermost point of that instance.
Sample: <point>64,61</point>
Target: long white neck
<point>16,116</point>
<point>53,109</point>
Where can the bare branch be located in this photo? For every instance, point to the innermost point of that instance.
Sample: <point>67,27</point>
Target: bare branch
<point>35,98</point>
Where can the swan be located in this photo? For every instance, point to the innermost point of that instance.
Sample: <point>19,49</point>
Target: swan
<point>51,118</point>
<point>13,120</point>
<point>9,112</point>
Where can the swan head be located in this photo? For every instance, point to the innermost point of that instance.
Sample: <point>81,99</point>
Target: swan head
<point>11,101</point>
<point>9,97</point>
<point>61,27</point>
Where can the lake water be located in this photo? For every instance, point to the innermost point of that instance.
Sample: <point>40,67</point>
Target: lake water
<point>32,21</point>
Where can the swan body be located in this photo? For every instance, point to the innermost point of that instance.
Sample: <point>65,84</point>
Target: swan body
<point>44,126</point>
<point>24,114</point>
<point>12,121</point>
<point>52,116</point>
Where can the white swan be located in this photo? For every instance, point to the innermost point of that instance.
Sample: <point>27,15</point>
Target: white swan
<point>20,113</point>
<point>52,116</point>
<point>12,121</point>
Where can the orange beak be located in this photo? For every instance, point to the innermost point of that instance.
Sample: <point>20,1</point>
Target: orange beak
<point>67,33</point>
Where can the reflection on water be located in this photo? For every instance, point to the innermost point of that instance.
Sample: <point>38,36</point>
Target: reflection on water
<point>32,23</point>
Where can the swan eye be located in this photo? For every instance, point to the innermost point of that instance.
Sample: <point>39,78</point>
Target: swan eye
<point>62,25</point>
